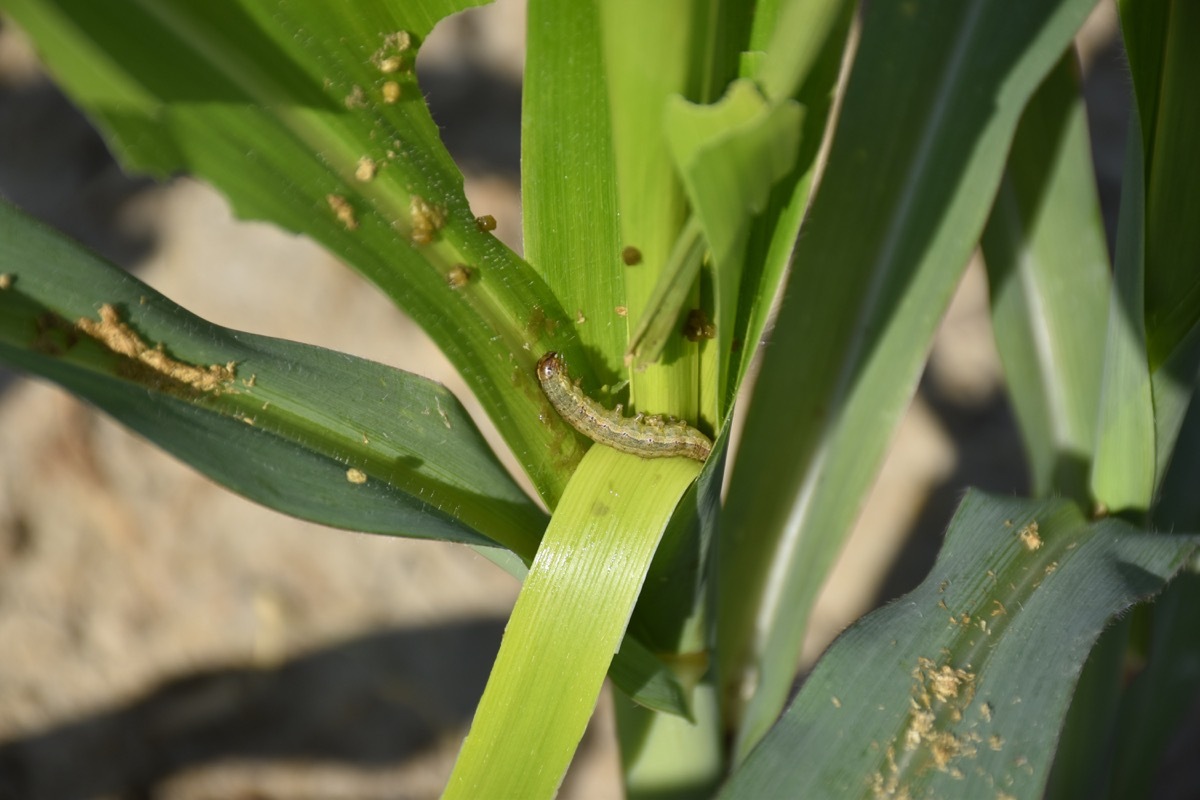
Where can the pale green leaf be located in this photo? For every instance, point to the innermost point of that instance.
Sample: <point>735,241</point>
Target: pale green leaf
<point>797,34</point>
<point>663,316</point>
<point>594,181</point>
<point>729,155</point>
<point>568,621</point>
<point>1049,278</point>
<point>568,191</point>
<point>1122,475</point>
<point>655,52</point>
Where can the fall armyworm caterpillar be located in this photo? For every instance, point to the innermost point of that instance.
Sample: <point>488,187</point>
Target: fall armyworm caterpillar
<point>647,437</point>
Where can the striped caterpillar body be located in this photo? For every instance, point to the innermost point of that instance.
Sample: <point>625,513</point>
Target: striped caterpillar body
<point>644,436</point>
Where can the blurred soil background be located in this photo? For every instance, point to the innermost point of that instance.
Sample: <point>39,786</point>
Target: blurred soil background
<point>163,638</point>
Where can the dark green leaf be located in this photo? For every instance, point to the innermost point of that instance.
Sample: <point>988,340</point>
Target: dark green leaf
<point>1160,39</point>
<point>316,434</point>
<point>930,108</point>
<point>959,688</point>
<point>1154,328</point>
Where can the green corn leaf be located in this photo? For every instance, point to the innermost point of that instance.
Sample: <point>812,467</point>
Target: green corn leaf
<point>1122,475</point>
<point>730,154</point>
<point>1154,330</point>
<point>959,688</point>
<point>805,51</point>
<point>595,180</point>
<point>289,428</point>
<point>1151,711</point>
<point>568,194</point>
<point>653,53</point>
<point>930,108</point>
<point>308,114</point>
<point>567,623</point>
<point>1163,63</point>
<point>664,315</point>
<point>1049,278</point>
<point>320,435</point>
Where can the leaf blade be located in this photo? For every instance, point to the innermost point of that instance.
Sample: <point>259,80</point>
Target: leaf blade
<point>572,611</point>
<point>917,698</point>
<point>898,216</point>
<point>425,469</point>
<point>1044,246</point>
<point>286,109</point>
